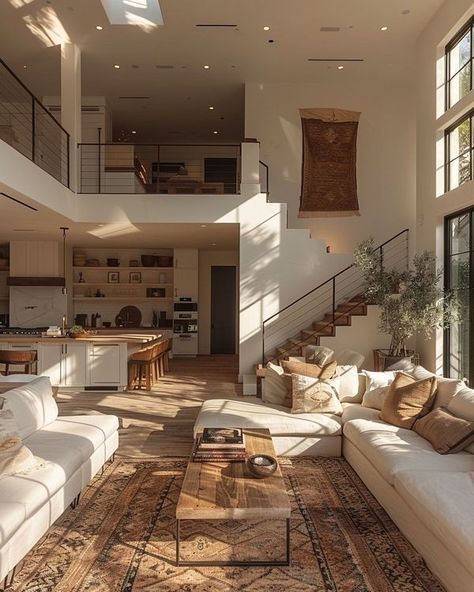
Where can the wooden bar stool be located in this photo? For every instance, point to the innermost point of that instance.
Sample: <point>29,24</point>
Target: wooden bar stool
<point>27,359</point>
<point>140,367</point>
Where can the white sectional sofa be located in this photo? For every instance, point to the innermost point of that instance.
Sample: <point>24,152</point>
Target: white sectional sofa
<point>428,495</point>
<point>68,451</point>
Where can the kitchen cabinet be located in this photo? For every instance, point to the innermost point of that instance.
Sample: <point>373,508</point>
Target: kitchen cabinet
<point>105,364</point>
<point>186,273</point>
<point>64,363</point>
<point>186,258</point>
<point>34,259</point>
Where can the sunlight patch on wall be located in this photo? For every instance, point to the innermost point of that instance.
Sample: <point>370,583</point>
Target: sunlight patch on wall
<point>114,230</point>
<point>47,27</point>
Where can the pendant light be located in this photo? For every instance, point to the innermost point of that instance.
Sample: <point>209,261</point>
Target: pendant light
<point>64,229</point>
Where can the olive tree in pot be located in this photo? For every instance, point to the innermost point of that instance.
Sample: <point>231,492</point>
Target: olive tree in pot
<point>411,301</point>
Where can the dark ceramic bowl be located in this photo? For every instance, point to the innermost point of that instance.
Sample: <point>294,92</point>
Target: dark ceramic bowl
<point>148,260</point>
<point>262,465</point>
<point>113,262</point>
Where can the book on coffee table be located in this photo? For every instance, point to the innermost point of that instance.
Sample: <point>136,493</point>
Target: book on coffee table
<point>222,436</point>
<point>219,451</point>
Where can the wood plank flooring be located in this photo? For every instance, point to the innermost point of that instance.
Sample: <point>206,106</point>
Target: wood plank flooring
<point>160,422</point>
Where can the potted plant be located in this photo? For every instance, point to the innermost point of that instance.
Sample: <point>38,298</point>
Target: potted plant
<point>411,301</point>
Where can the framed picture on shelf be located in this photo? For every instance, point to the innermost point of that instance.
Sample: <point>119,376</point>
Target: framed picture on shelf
<point>135,277</point>
<point>113,277</point>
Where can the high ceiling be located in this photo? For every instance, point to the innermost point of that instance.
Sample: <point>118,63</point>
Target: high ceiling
<point>181,92</point>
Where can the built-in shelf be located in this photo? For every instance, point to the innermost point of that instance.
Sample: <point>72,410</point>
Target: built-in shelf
<point>120,267</point>
<point>157,284</point>
<point>129,298</point>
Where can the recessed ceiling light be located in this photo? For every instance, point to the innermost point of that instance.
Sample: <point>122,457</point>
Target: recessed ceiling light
<point>212,244</point>
<point>384,28</point>
<point>134,131</point>
<point>211,108</point>
<point>203,225</point>
<point>266,28</point>
<point>100,225</point>
<point>340,67</point>
<point>206,67</point>
<point>116,66</point>
<point>25,66</point>
<point>215,132</point>
<point>99,27</point>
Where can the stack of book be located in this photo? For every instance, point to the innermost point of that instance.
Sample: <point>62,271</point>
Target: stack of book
<point>219,445</point>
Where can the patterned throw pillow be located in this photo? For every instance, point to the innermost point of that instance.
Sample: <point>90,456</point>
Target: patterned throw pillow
<point>276,386</point>
<point>313,395</point>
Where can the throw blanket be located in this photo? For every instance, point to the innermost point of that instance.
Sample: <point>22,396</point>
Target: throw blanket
<point>328,180</point>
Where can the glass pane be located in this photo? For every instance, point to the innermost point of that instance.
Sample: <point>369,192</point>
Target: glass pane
<point>460,84</point>
<point>460,54</point>
<point>460,139</point>
<point>459,273</point>
<point>459,267</point>
<point>460,170</point>
<point>459,234</point>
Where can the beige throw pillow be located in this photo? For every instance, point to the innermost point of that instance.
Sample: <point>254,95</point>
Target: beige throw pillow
<point>314,370</point>
<point>444,431</point>
<point>312,395</point>
<point>277,386</point>
<point>408,399</point>
<point>14,457</point>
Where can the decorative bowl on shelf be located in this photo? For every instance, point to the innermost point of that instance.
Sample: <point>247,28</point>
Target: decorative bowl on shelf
<point>113,262</point>
<point>262,465</point>
<point>164,260</point>
<point>148,260</point>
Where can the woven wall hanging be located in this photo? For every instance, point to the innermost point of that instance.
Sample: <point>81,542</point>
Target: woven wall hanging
<point>328,180</point>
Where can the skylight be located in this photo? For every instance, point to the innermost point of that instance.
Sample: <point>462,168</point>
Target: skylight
<point>143,13</point>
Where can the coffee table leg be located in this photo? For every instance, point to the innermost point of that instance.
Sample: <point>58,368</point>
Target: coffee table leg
<point>177,542</point>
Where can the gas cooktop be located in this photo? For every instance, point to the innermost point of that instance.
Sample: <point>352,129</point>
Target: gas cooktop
<point>36,331</point>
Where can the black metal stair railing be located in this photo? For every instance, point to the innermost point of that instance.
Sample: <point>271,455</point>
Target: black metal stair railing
<point>316,312</point>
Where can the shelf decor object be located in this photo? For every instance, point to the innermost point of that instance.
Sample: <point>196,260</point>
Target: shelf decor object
<point>113,277</point>
<point>135,277</point>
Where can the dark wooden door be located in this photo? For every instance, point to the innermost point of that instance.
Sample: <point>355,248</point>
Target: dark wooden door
<point>223,309</point>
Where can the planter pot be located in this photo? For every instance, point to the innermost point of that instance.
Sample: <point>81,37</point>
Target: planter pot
<point>383,359</point>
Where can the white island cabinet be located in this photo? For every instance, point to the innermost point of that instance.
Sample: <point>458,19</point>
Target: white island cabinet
<point>64,363</point>
<point>82,364</point>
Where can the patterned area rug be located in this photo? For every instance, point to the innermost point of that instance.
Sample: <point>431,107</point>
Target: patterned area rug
<point>121,537</point>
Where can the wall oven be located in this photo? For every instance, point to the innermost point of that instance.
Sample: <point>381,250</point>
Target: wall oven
<point>185,327</point>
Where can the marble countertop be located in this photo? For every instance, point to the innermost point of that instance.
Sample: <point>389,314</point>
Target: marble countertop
<point>101,337</point>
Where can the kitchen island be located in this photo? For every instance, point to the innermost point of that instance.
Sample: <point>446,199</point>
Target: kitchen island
<point>92,362</point>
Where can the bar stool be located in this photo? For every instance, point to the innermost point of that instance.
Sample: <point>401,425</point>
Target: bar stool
<point>141,367</point>
<point>26,358</point>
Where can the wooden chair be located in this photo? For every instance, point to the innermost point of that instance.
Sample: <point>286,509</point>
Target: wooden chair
<point>27,359</point>
<point>140,367</point>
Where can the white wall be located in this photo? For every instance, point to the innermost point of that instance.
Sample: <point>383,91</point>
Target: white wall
<point>431,122</point>
<point>385,150</point>
<point>206,260</point>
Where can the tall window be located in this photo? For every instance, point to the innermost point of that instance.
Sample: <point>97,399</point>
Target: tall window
<point>459,148</point>
<point>459,64</point>
<point>459,276</point>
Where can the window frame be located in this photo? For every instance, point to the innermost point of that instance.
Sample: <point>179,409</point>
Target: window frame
<point>468,27</point>
<point>447,149</point>
<point>447,286</point>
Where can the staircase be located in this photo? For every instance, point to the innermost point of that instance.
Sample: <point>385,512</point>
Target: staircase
<point>330,305</point>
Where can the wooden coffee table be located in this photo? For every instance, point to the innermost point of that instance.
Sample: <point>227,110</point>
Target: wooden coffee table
<point>227,491</point>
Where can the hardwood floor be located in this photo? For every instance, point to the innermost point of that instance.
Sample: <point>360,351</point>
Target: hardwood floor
<point>160,422</point>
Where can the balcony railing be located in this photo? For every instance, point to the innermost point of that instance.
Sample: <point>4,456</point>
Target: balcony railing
<point>27,126</point>
<point>160,168</point>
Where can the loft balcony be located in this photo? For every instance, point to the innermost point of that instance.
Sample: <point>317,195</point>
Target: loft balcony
<point>184,169</point>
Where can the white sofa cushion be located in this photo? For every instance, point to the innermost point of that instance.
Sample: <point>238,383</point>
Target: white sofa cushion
<point>356,411</point>
<point>446,387</point>
<point>444,502</point>
<point>62,446</point>
<point>256,414</point>
<point>351,385</point>
<point>376,388</point>
<point>33,405</point>
<point>392,449</point>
